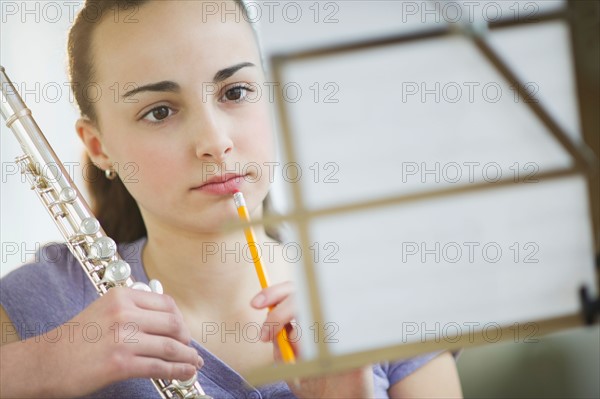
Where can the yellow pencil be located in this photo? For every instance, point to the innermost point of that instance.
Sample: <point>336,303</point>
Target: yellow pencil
<point>287,353</point>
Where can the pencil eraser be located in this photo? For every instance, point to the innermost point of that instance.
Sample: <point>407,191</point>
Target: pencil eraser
<point>238,199</point>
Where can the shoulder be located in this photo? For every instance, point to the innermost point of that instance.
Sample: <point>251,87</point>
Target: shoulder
<point>400,369</point>
<point>45,291</point>
<point>53,266</point>
<point>395,371</point>
<point>437,366</point>
<point>53,288</point>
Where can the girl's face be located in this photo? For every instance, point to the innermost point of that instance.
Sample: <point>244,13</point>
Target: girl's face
<point>181,103</point>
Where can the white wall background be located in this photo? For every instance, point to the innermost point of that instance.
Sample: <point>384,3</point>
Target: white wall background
<point>33,51</point>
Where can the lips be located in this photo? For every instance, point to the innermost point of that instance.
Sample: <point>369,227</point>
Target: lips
<point>222,185</point>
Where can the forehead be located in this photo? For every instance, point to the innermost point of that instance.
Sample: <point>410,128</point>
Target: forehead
<point>170,38</point>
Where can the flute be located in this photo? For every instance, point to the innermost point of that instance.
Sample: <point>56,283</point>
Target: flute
<point>94,250</point>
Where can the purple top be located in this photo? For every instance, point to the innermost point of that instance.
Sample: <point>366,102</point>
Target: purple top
<point>42,295</point>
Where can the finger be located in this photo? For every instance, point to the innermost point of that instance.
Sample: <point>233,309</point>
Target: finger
<point>276,352</point>
<point>293,334</point>
<point>167,349</point>
<point>276,320</point>
<point>146,367</point>
<point>272,295</point>
<point>154,301</point>
<point>164,324</point>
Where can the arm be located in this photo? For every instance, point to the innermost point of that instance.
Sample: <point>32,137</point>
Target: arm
<point>37,367</point>
<point>15,369</point>
<point>9,332</point>
<point>20,364</point>
<point>436,379</point>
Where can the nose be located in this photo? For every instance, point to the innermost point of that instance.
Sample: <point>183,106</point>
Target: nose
<point>213,141</point>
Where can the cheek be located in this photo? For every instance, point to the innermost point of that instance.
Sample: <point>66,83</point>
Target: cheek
<point>258,142</point>
<point>151,171</point>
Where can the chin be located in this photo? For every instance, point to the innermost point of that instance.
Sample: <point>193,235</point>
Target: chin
<point>216,221</point>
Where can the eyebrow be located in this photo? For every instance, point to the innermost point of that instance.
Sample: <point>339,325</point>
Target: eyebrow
<point>166,85</point>
<point>172,87</point>
<point>228,72</point>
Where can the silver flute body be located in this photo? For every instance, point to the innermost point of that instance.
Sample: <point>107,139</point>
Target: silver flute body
<point>94,250</point>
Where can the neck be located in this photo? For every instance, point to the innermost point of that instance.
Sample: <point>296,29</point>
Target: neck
<point>206,273</point>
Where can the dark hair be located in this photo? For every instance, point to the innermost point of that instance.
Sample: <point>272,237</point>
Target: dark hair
<point>112,204</point>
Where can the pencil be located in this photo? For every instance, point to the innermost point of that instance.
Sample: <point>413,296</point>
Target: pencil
<point>287,353</point>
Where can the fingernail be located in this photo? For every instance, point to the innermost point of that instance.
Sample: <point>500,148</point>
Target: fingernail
<point>259,300</point>
<point>200,362</point>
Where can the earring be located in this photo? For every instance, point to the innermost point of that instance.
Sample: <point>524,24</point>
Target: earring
<point>110,173</point>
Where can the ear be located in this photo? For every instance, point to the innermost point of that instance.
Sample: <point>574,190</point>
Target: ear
<point>91,138</point>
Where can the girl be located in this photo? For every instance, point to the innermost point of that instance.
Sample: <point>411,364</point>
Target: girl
<point>183,119</point>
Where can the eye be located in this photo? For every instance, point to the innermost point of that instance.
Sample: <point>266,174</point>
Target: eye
<point>236,93</point>
<point>158,114</point>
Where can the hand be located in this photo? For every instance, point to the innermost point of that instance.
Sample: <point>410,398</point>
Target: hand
<point>124,334</point>
<point>356,383</point>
